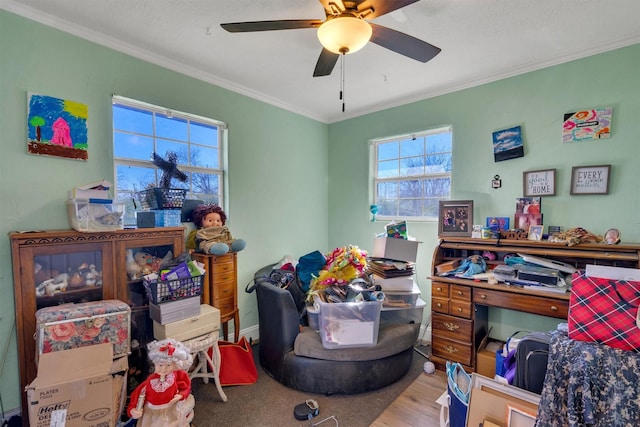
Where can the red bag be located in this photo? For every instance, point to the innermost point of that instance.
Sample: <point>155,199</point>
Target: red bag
<point>605,311</point>
<point>236,363</point>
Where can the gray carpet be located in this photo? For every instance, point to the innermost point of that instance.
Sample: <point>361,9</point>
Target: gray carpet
<point>269,403</point>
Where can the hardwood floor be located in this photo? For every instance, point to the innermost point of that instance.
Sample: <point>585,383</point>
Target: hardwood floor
<point>416,406</point>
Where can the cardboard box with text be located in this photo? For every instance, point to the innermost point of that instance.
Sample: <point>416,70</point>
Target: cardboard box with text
<point>80,387</point>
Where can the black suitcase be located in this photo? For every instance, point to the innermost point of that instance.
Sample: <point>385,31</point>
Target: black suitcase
<point>532,355</point>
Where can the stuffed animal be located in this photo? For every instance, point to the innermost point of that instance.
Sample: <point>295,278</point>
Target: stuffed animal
<point>143,263</point>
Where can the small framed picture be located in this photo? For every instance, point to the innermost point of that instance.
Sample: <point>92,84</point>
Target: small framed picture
<point>590,179</point>
<point>518,417</point>
<point>455,218</point>
<point>539,183</point>
<point>535,232</point>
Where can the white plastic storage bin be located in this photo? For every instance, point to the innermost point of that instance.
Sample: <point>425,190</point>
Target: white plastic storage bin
<point>88,216</point>
<point>349,324</point>
<point>401,299</point>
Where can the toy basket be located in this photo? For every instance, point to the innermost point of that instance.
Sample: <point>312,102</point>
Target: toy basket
<point>162,198</point>
<point>160,291</point>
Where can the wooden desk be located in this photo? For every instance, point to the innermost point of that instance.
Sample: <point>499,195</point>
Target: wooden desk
<point>460,306</point>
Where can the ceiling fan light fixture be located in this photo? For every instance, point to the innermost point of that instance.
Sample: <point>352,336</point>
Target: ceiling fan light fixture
<point>344,34</point>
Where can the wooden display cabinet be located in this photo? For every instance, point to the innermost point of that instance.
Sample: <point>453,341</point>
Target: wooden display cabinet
<point>460,306</point>
<point>45,261</point>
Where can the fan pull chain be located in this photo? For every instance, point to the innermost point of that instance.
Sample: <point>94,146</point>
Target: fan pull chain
<point>342,79</point>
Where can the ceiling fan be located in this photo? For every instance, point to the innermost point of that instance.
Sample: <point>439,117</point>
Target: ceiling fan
<point>347,29</point>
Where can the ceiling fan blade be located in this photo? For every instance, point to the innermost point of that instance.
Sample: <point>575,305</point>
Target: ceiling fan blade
<point>290,24</point>
<point>382,7</point>
<point>325,64</point>
<point>402,43</point>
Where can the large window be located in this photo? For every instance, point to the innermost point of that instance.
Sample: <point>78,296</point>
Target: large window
<point>141,129</point>
<point>412,173</point>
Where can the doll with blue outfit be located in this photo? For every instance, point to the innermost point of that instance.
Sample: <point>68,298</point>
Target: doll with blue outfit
<point>212,236</point>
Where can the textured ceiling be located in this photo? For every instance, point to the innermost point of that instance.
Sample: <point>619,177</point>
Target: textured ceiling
<point>481,41</point>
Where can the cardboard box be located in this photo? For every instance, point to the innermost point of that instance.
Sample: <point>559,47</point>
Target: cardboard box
<point>207,321</point>
<point>486,359</point>
<point>395,249</point>
<point>80,387</point>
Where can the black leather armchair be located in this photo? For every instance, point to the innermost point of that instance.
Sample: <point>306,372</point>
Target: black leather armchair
<point>295,357</point>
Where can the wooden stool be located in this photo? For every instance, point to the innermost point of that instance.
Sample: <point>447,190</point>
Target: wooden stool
<point>199,347</point>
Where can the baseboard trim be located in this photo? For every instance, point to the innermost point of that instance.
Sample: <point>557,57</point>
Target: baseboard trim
<point>12,413</point>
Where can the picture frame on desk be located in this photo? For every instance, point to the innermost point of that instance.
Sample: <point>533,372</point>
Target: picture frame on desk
<point>535,232</point>
<point>455,218</point>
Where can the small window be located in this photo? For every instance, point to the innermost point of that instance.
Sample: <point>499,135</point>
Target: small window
<point>412,173</point>
<point>141,129</point>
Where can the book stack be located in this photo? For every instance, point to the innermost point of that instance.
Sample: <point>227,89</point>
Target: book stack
<point>95,192</point>
<point>391,275</point>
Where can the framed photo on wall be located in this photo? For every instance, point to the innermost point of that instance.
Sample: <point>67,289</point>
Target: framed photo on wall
<point>590,179</point>
<point>539,183</point>
<point>455,218</point>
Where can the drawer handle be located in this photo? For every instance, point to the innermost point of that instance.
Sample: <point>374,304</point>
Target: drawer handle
<point>483,296</point>
<point>554,308</point>
<point>439,305</point>
<point>439,289</point>
<point>460,293</point>
<point>451,326</point>
<point>449,349</point>
<point>459,310</point>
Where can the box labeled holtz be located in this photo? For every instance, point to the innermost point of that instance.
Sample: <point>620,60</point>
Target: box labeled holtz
<point>90,392</point>
<point>207,321</point>
<point>396,249</point>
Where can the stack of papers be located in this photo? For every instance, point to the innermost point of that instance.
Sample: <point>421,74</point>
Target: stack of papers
<point>95,192</point>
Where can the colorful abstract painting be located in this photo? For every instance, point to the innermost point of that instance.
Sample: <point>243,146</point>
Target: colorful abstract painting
<point>507,144</point>
<point>57,127</point>
<point>587,124</point>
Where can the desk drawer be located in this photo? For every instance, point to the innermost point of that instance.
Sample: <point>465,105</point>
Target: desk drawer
<point>224,290</point>
<point>461,309</point>
<point>439,305</point>
<point>451,350</point>
<point>452,327</point>
<point>523,302</point>
<point>461,293</point>
<point>225,305</point>
<point>440,290</point>
<point>222,267</point>
<point>222,276</point>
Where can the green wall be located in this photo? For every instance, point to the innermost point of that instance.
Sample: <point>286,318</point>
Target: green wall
<point>278,161</point>
<point>537,101</point>
<point>297,185</point>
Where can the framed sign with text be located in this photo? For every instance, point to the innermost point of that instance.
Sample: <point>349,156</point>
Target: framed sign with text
<point>590,179</point>
<point>539,183</point>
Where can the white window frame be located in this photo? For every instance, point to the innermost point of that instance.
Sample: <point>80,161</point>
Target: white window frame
<point>375,179</point>
<point>222,144</point>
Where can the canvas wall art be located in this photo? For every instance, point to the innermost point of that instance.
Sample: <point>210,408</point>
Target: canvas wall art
<point>587,124</point>
<point>507,144</point>
<point>57,127</point>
